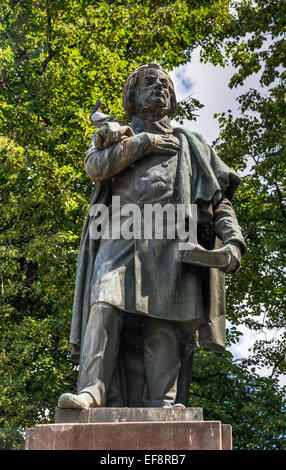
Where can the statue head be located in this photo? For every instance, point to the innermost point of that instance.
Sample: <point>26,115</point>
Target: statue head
<point>149,93</point>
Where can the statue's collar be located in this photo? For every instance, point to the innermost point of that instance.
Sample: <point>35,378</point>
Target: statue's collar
<point>162,126</point>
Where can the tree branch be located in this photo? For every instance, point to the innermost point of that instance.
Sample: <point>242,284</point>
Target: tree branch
<point>280,199</point>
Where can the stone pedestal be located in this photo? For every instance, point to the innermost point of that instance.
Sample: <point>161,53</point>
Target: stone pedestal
<point>111,415</point>
<point>130,429</point>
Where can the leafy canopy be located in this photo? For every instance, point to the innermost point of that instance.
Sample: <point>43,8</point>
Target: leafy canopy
<point>56,59</point>
<point>254,144</point>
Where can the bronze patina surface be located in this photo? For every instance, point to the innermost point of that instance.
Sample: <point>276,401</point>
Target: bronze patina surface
<point>140,308</point>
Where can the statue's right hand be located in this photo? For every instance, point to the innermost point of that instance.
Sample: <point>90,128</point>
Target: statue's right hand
<point>167,144</point>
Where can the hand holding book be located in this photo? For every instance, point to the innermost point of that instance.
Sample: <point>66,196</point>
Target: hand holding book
<point>227,258</point>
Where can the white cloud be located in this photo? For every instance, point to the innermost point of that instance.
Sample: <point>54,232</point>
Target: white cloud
<point>209,84</point>
<point>243,348</point>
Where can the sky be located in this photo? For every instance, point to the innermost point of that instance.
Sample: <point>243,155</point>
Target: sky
<point>209,84</point>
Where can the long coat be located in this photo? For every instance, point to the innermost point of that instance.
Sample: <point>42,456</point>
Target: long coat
<point>202,179</point>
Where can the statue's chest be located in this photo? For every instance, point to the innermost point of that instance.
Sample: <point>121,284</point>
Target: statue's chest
<point>148,181</point>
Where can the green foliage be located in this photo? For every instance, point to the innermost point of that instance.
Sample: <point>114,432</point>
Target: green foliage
<point>56,59</point>
<point>255,142</point>
<point>230,393</point>
<point>187,109</point>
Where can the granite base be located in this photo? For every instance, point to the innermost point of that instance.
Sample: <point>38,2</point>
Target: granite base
<point>130,429</point>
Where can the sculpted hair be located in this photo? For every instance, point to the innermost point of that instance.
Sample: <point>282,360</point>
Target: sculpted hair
<point>130,85</point>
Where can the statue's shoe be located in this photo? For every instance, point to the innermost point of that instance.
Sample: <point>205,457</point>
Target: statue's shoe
<point>69,400</point>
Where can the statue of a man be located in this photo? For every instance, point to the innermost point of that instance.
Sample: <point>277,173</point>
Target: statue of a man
<point>139,310</point>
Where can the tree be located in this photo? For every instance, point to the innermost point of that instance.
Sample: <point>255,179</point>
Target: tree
<point>255,43</point>
<point>231,393</point>
<point>56,58</point>
<point>254,144</point>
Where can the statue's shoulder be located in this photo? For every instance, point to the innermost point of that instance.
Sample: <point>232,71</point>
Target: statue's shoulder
<point>190,134</point>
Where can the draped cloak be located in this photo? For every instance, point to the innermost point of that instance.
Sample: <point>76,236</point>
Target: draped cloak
<point>203,179</point>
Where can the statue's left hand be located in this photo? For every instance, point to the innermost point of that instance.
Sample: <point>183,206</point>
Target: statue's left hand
<point>235,256</point>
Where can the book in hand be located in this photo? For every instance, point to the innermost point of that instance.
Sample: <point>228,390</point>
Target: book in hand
<point>199,256</point>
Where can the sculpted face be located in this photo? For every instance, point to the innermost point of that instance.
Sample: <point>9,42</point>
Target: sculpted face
<point>152,94</point>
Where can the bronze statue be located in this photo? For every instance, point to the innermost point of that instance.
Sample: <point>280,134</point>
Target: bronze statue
<point>141,306</point>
